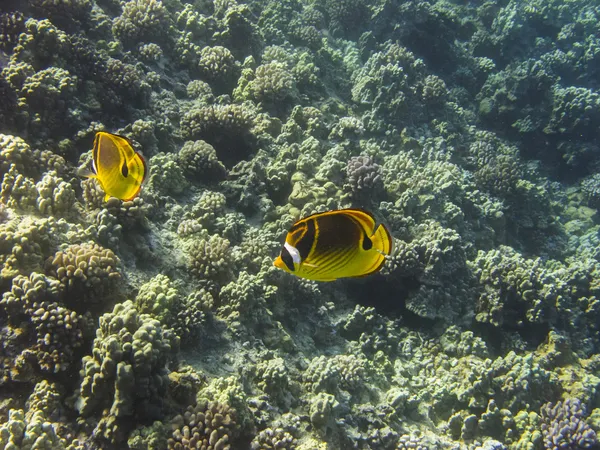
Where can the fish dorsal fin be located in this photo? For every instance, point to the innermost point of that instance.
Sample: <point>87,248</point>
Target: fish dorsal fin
<point>124,145</point>
<point>364,218</point>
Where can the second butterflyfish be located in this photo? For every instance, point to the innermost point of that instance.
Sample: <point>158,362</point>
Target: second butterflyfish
<point>335,244</point>
<point>119,169</point>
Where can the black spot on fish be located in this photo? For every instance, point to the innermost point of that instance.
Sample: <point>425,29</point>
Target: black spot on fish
<point>367,243</point>
<point>306,241</point>
<point>124,169</point>
<point>287,259</point>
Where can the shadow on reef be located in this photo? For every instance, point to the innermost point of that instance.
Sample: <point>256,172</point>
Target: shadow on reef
<point>388,297</point>
<point>497,338</point>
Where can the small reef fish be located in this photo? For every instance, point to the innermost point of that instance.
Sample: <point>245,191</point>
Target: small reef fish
<point>120,170</point>
<point>335,244</point>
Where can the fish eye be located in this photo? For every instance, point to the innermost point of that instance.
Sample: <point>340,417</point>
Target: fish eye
<point>287,259</point>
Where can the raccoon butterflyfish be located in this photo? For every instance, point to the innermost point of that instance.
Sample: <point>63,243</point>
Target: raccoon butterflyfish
<point>120,170</point>
<point>335,244</point>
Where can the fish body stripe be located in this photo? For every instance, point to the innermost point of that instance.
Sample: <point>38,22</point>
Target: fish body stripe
<point>338,244</point>
<point>328,257</point>
<point>336,260</point>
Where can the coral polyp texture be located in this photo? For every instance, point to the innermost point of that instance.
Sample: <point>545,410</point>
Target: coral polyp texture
<point>468,129</point>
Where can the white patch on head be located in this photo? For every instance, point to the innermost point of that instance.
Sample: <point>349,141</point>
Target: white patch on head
<point>294,252</point>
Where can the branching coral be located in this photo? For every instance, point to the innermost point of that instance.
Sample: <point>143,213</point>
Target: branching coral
<point>210,426</point>
<point>270,439</point>
<point>11,25</point>
<point>564,426</point>
<point>126,372</point>
<point>143,21</point>
<point>514,289</point>
<point>211,259</point>
<point>390,84</point>
<point>43,334</point>
<point>200,163</point>
<point>218,66</point>
<point>364,178</point>
<point>88,272</point>
<point>170,179</point>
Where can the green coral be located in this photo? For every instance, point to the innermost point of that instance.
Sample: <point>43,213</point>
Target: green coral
<point>514,289</point>
<point>170,180</point>
<point>126,373</point>
<point>210,426</point>
<point>200,162</point>
<point>88,272</point>
<point>159,298</point>
<point>210,259</point>
<point>143,21</point>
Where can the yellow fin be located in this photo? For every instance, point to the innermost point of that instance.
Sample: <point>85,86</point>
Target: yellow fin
<point>382,240</point>
<point>366,220</point>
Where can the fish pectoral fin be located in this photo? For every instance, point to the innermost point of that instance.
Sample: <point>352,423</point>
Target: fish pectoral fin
<point>310,265</point>
<point>86,172</point>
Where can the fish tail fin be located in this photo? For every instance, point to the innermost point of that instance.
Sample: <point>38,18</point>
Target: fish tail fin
<point>382,240</point>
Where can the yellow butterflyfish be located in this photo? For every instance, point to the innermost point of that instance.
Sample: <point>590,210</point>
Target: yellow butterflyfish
<point>335,244</point>
<point>119,169</point>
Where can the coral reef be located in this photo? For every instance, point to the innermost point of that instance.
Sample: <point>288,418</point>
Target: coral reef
<point>87,271</point>
<point>43,335</point>
<point>563,426</point>
<point>127,371</point>
<point>468,128</point>
<point>207,425</point>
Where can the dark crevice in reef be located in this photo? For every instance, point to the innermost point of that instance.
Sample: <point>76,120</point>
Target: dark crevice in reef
<point>496,338</point>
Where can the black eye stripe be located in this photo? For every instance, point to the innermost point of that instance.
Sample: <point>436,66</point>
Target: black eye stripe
<point>124,169</point>
<point>287,259</point>
<point>367,243</point>
<point>304,245</point>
